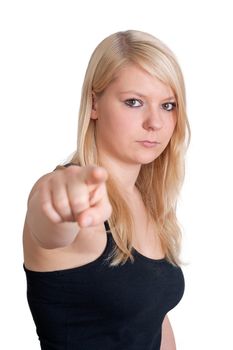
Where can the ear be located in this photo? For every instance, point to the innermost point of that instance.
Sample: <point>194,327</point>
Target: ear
<point>94,105</point>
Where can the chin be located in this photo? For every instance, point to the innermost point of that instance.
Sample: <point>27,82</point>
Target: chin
<point>146,161</point>
<point>149,159</point>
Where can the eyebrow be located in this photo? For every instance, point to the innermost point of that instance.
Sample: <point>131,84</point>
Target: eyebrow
<point>141,95</point>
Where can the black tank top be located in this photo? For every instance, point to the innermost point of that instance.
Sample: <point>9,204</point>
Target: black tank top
<point>98,307</point>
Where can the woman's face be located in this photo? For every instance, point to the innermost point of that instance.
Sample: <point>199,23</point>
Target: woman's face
<point>135,117</point>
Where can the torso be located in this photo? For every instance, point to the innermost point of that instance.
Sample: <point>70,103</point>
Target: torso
<point>90,243</point>
<point>145,238</point>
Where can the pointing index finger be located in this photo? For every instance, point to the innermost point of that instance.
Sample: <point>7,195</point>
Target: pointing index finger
<point>95,175</point>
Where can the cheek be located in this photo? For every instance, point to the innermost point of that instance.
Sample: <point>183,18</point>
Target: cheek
<point>110,127</point>
<point>116,119</point>
<point>171,125</point>
<point>169,130</point>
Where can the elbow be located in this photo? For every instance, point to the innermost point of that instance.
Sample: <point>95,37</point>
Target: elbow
<point>168,339</point>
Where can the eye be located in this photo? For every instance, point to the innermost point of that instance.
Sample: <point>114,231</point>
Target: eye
<point>169,106</point>
<point>133,102</point>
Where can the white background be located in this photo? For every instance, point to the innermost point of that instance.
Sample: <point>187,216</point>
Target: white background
<point>45,47</point>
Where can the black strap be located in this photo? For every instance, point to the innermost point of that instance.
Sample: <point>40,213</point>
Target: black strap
<point>64,166</point>
<point>107,227</point>
<point>69,164</point>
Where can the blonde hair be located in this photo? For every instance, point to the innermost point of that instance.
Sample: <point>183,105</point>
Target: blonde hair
<point>159,182</point>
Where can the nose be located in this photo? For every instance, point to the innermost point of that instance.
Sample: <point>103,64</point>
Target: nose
<point>153,119</point>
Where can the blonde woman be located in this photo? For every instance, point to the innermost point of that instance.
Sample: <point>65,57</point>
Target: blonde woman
<point>101,237</point>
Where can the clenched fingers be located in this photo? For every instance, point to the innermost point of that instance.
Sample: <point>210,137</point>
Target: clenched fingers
<point>47,205</point>
<point>61,203</point>
<point>78,194</point>
<point>95,215</point>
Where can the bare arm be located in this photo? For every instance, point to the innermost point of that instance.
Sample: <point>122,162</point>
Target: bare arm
<point>168,339</point>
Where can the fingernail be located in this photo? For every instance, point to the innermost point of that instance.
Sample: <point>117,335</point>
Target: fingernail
<point>87,221</point>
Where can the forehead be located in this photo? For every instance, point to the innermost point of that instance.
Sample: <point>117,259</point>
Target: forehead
<point>134,78</point>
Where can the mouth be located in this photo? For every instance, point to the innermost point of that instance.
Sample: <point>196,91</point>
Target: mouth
<point>147,143</point>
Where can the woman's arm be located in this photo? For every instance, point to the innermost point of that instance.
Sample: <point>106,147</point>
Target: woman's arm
<point>168,339</point>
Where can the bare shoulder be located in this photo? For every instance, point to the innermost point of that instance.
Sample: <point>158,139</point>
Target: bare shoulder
<point>87,247</point>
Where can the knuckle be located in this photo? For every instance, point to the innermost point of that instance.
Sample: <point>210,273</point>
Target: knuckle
<point>67,217</point>
<point>80,203</point>
<point>44,199</point>
<point>61,204</point>
<point>80,199</point>
<point>43,190</point>
<point>45,207</point>
<point>73,169</point>
<point>74,166</point>
<point>52,180</point>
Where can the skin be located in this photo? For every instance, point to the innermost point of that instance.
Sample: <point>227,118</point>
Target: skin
<point>168,340</point>
<point>62,199</point>
<point>123,118</point>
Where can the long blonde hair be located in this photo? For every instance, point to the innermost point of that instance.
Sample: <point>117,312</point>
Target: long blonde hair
<point>158,182</point>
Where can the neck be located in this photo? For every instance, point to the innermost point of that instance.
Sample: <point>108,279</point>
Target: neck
<point>124,174</point>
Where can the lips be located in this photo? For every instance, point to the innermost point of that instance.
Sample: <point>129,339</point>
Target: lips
<point>149,144</point>
<point>148,141</point>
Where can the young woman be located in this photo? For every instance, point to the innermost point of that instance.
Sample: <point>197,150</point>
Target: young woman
<point>101,238</point>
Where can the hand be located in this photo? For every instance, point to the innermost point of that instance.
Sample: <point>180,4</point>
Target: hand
<point>76,194</point>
